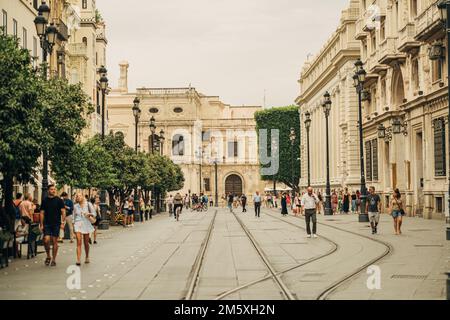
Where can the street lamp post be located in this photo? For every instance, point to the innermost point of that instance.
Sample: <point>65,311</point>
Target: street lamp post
<point>326,109</point>
<point>444,9</point>
<point>152,127</point>
<point>308,126</point>
<point>216,195</point>
<point>104,223</point>
<point>359,78</point>
<point>47,35</point>
<point>137,115</point>
<point>292,138</point>
<point>161,141</point>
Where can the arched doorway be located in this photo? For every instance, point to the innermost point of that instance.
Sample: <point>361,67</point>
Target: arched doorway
<point>398,89</point>
<point>233,184</point>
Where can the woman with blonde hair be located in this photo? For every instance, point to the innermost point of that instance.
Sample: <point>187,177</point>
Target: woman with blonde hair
<point>83,216</point>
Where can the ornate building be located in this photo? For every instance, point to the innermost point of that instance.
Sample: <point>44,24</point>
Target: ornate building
<point>404,123</point>
<point>199,130</point>
<point>332,70</point>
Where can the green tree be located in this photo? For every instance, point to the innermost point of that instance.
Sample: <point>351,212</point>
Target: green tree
<point>20,119</point>
<point>283,119</point>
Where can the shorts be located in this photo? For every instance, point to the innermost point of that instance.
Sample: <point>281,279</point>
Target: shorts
<point>396,214</point>
<point>374,217</point>
<point>52,230</point>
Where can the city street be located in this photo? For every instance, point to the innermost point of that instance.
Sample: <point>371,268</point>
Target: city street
<point>219,255</point>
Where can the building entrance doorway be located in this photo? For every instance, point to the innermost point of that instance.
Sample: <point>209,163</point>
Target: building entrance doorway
<point>233,184</point>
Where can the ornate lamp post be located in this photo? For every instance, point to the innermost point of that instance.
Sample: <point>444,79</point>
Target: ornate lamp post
<point>104,223</point>
<point>137,116</point>
<point>326,109</point>
<point>358,79</point>
<point>47,35</point>
<point>308,126</point>
<point>152,127</point>
<point>292,138</point>
<point>162,138</point>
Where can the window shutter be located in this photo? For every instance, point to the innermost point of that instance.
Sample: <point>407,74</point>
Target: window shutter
<point>368,161</point>
<point>375,159</point>
<point>439,147</point>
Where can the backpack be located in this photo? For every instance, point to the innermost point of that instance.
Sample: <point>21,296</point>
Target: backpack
<point>17,210</point>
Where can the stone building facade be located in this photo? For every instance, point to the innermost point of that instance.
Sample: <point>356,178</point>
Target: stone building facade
<point>407,84</point>
<point>332,70</point>
<point>198,129</point>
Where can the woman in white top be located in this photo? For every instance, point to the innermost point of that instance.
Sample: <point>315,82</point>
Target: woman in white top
<point>83,227</point>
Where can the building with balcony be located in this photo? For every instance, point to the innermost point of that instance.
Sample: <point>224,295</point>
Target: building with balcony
<point>404,125</point>
<point>198,131</point>
<point>332,70</point>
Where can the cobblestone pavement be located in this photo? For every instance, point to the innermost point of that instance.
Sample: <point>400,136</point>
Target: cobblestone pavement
<point>244,257</point>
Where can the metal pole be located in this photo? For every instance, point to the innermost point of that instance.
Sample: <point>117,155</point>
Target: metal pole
<point>328,210</point>
<point>104,223</point>
<point>292,171</point>
<point>216,188</point>
<point>136,200</point>
<point>307,146</point>
<point>44,151</point>
<point>363,217</point>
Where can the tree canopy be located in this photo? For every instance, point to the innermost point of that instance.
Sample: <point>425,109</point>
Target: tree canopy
<point>283,119</point>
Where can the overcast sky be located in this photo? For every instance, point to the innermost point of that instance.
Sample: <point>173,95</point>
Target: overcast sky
<point>235,49</point>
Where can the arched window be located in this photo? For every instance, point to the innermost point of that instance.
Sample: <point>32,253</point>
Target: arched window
<point>84,41</point>
<point>178,145</point>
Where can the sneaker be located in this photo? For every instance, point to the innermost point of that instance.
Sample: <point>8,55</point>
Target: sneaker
<point>309,236</point>
<point>314,235</point>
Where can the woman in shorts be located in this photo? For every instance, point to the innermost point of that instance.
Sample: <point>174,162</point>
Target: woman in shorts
<point>397,212</point>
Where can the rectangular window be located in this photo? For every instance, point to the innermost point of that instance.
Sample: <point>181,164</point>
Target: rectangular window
<point>439,147</point>
<point>207,184</point>
<point>232,149</point>
<point>439,205</point>
<point>373,43</point>
<point>15,29</point>
<point>5,21</point>
<point>374,145</point>
<point>382,29</point>
<point>206,135</point>
<point>84,4</point>
<point>24,38</point>
<point>413,9</point>
<point>437,70</point>
<point>36,4</point>
<point>415,74</point>
<point>368,161</point>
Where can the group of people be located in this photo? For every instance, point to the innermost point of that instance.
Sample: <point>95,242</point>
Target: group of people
<point>128,210</point>
<point>82,218</point>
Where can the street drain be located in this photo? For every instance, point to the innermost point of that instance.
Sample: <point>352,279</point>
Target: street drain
<point>408,276</point>
<point>428,245</point>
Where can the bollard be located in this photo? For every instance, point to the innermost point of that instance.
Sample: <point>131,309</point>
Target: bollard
<point>448,233</point>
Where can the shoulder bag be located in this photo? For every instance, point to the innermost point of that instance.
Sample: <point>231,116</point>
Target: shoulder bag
<point>402,212</point>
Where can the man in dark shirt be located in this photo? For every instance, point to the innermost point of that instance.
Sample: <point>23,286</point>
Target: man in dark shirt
<point>373,207</point>
<point>53,215</point>
<point>244,202</point>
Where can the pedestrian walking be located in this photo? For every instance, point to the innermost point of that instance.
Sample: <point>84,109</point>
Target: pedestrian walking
<point>125,209</point>
<point>230,201</point>
<point>187,201</point>
<point>211,203</point>
<point>68,203</point>
<point>321,206</point>
<point>83,215</point>
<point>373,207</point>
<point>16,204</point>
<point>244,202</point>
<point>358,201</point>
<point>309,204</point>
<point>397,212</point>
<point>334,202</point>
<point>297,204</point>
<point>53,215</point>
<point>284,204</point>
<point>131,209</point>
<point>346,201</point>
<point>177,203</point>
<point>354,199</point>
<point>257,204</point>
<point>170,203</point>
<point>96,205</point>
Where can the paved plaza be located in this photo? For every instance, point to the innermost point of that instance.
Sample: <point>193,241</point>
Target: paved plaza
<point>211,256</point>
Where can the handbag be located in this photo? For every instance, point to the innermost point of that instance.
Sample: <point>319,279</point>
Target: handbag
<point>91,218</point>
<point>402,212</point>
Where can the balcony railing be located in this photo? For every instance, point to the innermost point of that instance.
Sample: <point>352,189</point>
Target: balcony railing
<point>164,91</point>
<point>428,23</point>
<point>406,41</point>
<point>389,52</point>
<point>77,49</point>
